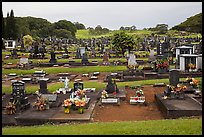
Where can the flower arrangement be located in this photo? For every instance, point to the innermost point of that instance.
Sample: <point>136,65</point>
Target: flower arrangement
<point>139,93</point>
<point>162,64</point>
<point>41,104</point>
<point>192,81</point>
<point>191,66</point>
<point>80,104</point>
<point>104,94</point>
<point>10,108</point>
<point>133,66</point>
<point>80,93</point>
<point>67,105</point>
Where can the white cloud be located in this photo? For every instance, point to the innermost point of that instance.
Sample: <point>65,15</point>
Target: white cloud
<point>111,15</point>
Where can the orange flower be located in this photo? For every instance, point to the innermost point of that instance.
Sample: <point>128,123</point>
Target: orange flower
<point>80,103</point>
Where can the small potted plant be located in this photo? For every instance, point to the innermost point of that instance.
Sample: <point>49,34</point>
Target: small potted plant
<point>67,105</point>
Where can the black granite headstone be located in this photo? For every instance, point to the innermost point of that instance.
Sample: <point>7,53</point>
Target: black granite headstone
<point>19,96</point>
<point>111,87</point>
<point>78,85</point>
<point>43,86</point>
<point>174,77</point>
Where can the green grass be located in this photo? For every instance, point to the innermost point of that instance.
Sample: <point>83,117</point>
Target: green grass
<point>89,84</point>
<point>54,70</point>
<point>152,127</point>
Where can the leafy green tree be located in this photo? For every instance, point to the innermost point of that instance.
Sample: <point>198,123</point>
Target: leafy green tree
<point>62,33</point>
<point>13,27</point>
<point>122,41</point>
<point>79,26</point>
<point>161,28</point>
<point>192,24</point>
<point>67,25</point>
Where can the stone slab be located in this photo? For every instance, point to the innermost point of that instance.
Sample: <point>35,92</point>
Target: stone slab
<point>174,108</point>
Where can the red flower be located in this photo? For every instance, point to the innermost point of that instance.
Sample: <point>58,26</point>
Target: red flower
<point>114,93</point>
<point>136,98</point>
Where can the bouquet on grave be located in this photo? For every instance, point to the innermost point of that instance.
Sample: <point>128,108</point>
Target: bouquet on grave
<point>67,105</point>
<point>10,108</point>
<point>194,83</point>
<point>80,103</point>
<point>162,64</point>
<point>191,66</point>
<point>41,104</point>
<point>139,93</point>
<point>178,88</point>
<point>104,94</point>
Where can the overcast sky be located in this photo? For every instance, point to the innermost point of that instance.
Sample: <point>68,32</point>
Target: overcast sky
<point>111,15</point>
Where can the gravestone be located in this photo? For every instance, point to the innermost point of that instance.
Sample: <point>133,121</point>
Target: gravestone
<point>53,59</point>
<point>43,85</point>
<point>19,96</point>
<point>132,61</point>
<point>23,60</point>
<point>111,87</point>
<point>14,53</point>
<point>82,51</point>
<point>84,59</point>
<point>78,54</point>
<point>105,59</point>
<point>78,85</point>
<point>174,77</point>
<point>151,55</point>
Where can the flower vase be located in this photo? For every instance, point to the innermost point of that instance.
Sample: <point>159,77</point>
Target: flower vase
<point>161,70</point>
<point>81,110</point>
<point>67,110</point>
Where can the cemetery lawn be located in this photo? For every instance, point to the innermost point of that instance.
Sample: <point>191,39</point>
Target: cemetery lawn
<point>181,126</point>
<point>88,84</point>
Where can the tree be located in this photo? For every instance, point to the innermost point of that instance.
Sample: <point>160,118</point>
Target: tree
<point>161,28</point>
<point>13,27</point>
<point>62,33</point>
<point>122,41</point>
<point>192,24</point>
<point>67,25</point>
<point>27,40</point>
<point>79,26</point>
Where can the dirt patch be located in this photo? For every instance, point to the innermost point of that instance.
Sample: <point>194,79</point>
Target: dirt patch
<point>127,112</point>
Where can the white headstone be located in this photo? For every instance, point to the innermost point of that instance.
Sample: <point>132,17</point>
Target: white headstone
<point>23,60</point>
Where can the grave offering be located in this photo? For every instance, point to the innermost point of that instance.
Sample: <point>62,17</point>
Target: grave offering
<point>107,99</point>
<point>41,103</point>
<point>162,66</point>
<point>139,97</point>
<point>19,101</point>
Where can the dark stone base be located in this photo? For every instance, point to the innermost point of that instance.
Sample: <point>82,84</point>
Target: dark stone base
<point>175,108</point>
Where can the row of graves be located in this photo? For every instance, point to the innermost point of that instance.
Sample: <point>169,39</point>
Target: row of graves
<point>63,105</point>
<point>66,104</point>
